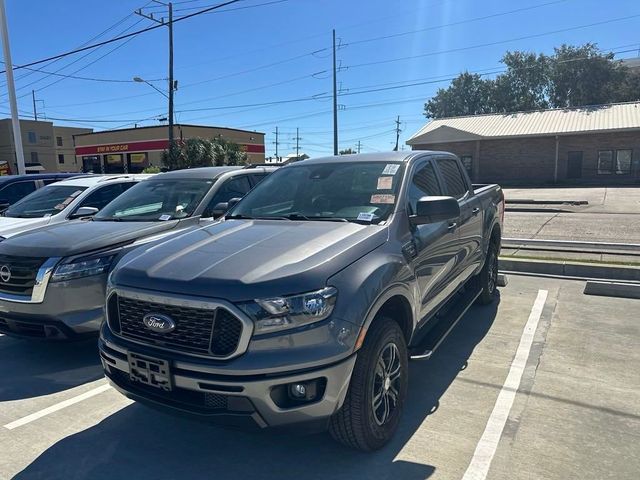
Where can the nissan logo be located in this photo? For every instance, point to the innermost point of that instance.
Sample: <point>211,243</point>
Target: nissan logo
<point>156,322</point>
<point>5,273</point>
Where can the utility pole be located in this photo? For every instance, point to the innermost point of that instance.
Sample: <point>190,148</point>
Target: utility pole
<point>35,110</point>
<point>169,24</point>
<point>397,133</point>
<point>358,146</point>
<point>277,143</point>
<point>335,99</point>
<point>11,88</point>
<point>297,139</point>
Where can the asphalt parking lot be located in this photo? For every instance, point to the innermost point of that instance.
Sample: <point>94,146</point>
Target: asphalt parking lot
<point>542,385</point>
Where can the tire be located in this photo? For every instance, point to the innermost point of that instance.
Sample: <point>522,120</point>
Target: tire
<point>487,279</point>
<point>358,424</point>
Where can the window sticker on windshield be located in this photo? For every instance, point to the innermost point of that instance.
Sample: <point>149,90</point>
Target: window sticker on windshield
<point>165,217</point>
<point>75,194</point>
<point>59,206</point>
<point>365,217</point>
<point>390,169</point>
<point>383,198</point>
<point>385,183</point>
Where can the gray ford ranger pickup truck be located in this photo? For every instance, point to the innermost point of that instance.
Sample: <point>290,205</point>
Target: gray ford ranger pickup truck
<point>303,307</point>
<point>53,279</point>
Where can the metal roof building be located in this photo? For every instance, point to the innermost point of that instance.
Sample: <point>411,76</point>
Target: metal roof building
<point>597,144</point>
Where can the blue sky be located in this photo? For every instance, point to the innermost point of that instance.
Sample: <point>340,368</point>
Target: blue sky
<point>228,63</point>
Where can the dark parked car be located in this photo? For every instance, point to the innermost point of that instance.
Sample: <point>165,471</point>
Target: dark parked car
<point>54,278</point>
<point>304,305</point>
<point>15,187</point>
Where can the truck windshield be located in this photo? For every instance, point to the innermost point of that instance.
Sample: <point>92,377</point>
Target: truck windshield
<point>350,191</point>
<point>157,200</point>
<point>48,200</point>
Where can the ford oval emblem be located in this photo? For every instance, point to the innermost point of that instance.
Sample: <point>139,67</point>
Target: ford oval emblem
<point>156,322</point>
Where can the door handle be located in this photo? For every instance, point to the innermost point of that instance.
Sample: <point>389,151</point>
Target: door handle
<point>452,226</point>
<point>475,211</point>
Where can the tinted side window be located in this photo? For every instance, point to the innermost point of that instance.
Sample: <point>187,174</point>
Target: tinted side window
<point>256,178</point>
<point>236,187</point>
<point>15,191</point>
<point>453,179</point>
<point>423,184</point>
<point>104,195</point>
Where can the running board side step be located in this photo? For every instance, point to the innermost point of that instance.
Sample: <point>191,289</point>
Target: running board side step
<point>428,345</point>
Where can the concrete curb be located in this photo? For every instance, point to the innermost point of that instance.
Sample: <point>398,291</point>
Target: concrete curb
<point>570,269</point>
<point>612,289</point>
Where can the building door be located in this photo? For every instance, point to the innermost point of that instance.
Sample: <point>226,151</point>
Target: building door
<point>574,165</point>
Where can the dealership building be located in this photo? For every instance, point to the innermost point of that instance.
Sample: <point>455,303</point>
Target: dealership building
<point>589,145</point>
<point>131,150</point>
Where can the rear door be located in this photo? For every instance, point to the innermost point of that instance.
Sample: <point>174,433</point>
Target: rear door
<point>469,225</point>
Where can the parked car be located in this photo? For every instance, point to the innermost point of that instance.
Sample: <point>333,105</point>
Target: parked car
<point>63,201</point>
<point>53,279</point>
<point>303,306</point>
<point>15,187</point>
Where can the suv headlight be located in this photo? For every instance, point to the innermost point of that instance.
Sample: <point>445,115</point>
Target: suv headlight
<point>83,266</point>
<point>283,313</point>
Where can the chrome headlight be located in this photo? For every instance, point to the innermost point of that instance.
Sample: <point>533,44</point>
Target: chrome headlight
<point>283,313</point>
<point>84,267</point>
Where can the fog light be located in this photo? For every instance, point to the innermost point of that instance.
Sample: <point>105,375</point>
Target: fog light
<point>298,390</point>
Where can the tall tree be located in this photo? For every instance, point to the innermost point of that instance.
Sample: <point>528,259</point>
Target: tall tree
<point>584,76</point>
<point>571,77</point>
<point>524,85</point>
<point>468,94</point>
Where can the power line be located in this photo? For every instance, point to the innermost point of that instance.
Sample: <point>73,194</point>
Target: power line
<point>453,24</point>
<point>490,44</point>
<point>122,37</point>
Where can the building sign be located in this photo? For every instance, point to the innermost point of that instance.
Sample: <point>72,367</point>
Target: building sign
<point>123,147</point>
<point>144,146</point>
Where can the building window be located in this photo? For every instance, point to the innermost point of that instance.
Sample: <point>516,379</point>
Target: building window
<point>60,158</point>
<point>605,162</point>
<point>59,141</point>
<point>467,163</point>
<point>34,157</point>
<point>31,136</point>
<point>623,162</point>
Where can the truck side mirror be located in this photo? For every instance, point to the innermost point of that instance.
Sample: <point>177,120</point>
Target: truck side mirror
<point>218,210</point>
<point>84,212</point>
<point>434,210</point>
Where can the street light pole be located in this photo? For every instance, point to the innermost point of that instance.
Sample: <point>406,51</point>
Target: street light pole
<point>15,120</point>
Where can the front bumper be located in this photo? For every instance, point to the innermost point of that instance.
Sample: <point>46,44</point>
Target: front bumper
<point>237,399</point>
<point>69,310</point>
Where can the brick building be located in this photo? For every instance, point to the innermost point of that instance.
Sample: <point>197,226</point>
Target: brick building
<point>591,145</point>
<point>133,149</point>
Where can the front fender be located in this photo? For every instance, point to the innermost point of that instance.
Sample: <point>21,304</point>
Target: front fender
<point>364,287</point>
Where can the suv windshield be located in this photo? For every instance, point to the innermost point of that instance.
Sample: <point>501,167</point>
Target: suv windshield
<point>48,200</point>
<point>157,200</point>
<point>350,191</point>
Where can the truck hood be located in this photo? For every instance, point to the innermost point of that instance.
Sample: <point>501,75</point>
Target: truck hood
<point>81,236</point>
<point>240,260</point>
<point>10,226</point>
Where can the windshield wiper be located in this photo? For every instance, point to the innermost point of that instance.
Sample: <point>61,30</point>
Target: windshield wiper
<point>239,216</point>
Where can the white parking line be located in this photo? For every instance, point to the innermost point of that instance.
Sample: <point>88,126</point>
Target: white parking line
<point>488,444</point>
<point>58,406</point>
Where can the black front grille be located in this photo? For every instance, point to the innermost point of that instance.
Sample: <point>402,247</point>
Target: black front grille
<point>209,332</point>
<point>22,272</point>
